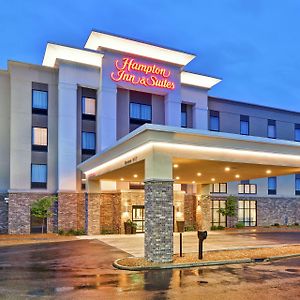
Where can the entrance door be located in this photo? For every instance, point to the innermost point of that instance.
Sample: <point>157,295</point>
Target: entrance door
<point>138,217</point>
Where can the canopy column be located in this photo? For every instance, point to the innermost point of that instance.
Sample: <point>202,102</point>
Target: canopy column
<point>92,207</point>
<point>158,208</point>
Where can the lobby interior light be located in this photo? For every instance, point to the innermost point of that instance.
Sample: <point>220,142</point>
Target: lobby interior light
<point>177,177</point>
<point>122,179</point>
<point>193,182</point>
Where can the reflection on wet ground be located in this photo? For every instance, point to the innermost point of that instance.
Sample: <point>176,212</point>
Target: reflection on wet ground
<point>76,269</point>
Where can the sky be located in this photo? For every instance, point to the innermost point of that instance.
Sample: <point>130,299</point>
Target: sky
<point>253,45</point>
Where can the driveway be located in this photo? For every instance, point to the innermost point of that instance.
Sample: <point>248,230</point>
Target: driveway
<point>82,270</point>
<point>134,244</point>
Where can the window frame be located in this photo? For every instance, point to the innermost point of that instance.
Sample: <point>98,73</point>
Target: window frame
<point>88,151</point>
<point>38,185</point>
<point>244,188</point>
<point>39,111</point>
<point>140,121</point>
<point>297,192</point>
<point>296,127</point>
<point>244,209</point>
<point>214,114</point>
<point>213,191</point>
<point>272,191</point>
<point>84,115</point>
<point>273,124</point>
<point>36,147</point>
<point>213,208</point>
<point>245,119</point>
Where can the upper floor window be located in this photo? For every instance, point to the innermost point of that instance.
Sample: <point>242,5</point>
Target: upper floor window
<point>246,188</point>
<point>140,112</point>
<point>244,125</point>
<point>214,120</point>
<point>272,185</point>
<point>219,188</point>
<point>88,142</point>
<point>88,108</point>
<point>272,129</point>
<point>297,132</point>
<point>39,139</point>
<point>38,176</point>
<point>297,184</point>
<point>183,115</point>
<point>39,101</point>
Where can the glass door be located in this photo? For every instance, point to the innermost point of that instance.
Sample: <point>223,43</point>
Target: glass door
<point>138,217</point>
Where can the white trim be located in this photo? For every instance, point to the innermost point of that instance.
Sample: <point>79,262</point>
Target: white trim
<point>198,80</point>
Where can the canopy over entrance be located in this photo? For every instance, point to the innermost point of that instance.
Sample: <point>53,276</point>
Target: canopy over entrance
<point>161,155</point>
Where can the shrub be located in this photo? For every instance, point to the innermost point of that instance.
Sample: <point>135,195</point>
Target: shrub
<point>106,231</point>
<point>296,224</point>
<point>189,228</point>
<point>276,224</point>
<point>240,225</point>
<point>214,227</point>
<point>221,227</point>
<point>71,232</point>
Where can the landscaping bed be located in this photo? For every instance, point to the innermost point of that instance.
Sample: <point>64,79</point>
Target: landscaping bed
<point>212,257</point>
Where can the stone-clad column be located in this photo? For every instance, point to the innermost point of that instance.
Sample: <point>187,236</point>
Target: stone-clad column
<point>158,242</point>
<point>92,206</point>
<point>159,220</point>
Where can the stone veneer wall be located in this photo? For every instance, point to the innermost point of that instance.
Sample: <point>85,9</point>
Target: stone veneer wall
<point>19,212</point>
<point>279,210</point>
<point>3,214</point>
<point>203,212</point>
<point>71,211</point>
<point>159,221</point>
<point>190,206</point>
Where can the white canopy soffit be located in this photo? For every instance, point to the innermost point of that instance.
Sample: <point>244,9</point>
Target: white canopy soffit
<point>198,80</point>
<point>98,40</point>
<point>56,52</point>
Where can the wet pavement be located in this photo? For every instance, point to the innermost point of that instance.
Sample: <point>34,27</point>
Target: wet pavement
<point>77,269</point>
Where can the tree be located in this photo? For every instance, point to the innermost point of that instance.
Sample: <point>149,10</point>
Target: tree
<point>230,208</point>
<point>41,208</point>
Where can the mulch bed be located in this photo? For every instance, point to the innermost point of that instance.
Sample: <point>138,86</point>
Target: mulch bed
<point>216,255</point>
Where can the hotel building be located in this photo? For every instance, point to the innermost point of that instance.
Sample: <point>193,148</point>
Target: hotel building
<point>119,130</point>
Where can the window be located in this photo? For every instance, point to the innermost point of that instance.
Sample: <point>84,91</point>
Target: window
<point>272,185</point>
<point>140,111</point>
<point>88,142</point>
<point>138,217</point>
<point>38,176</point>
<point>297,184</point>
<point>272,129</point>
<point>214,120</point>
<point>88,108</point>
<point>297,132</point>
<point>183,115</point>
<point>219,188</point>
<point>217,218</point>
<point>244,125</point>
<point>39,139</point>
<point>247,212</point>
<point>39,102</point>
<point>246,188</point>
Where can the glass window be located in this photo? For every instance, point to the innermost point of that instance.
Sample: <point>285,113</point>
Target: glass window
<point>219,188</point>
<point>247,212</point>
<point>217,218</point>
<point>38,176</point>
<point>214,120</point>
<point>297,132</point>
<point>183,115</point>
<point>39,100</point>
<point>244,125</point>
<point>140,111</point>
<point>39,136</point>
<point>272,129</point>
<point>88,141</point>
<point>89,106</point>
<point>247,188</point>
<point>297,184</point>
<point>272,185</point>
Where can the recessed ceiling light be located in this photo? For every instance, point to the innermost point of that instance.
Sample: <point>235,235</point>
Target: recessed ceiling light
<point>237,176</point>
<point>199,174</point>
<point>268,171</point>
<point>175,166</point>
<point>193,182</point>
<point>135,175</point>
<point>177,177</point>
<point>227,169</point>
<point>213,179</point>
<point>122,179</point>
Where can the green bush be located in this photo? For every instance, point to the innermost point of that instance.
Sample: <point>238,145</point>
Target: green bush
<point>106,231</point>
<point>214,227</point>
<point>276,224</point>
<point>221,227</point>
<point>189,228</point>
<point>240,225</point>
<point>71,232</point>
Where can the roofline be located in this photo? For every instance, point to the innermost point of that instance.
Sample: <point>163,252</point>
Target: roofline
<point>25,64</point>
<point>253,104</point>
<point>139,41</point>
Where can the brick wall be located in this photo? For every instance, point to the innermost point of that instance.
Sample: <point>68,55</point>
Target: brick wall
<point>190,210</point>
<point>3,214</point>
<point>19,209</point>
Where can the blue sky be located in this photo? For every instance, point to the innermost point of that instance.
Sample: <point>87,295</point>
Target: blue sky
<point>253,45</point>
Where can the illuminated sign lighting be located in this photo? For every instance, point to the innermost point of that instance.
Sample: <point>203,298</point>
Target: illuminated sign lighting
<point>148,75</point>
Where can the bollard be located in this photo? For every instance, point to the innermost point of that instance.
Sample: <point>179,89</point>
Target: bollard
<point>202,235</point>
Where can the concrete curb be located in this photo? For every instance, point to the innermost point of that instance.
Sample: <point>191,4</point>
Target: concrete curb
<point>201,264</point>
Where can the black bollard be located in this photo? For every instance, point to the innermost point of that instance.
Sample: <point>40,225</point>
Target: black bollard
<point>202,235</point>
